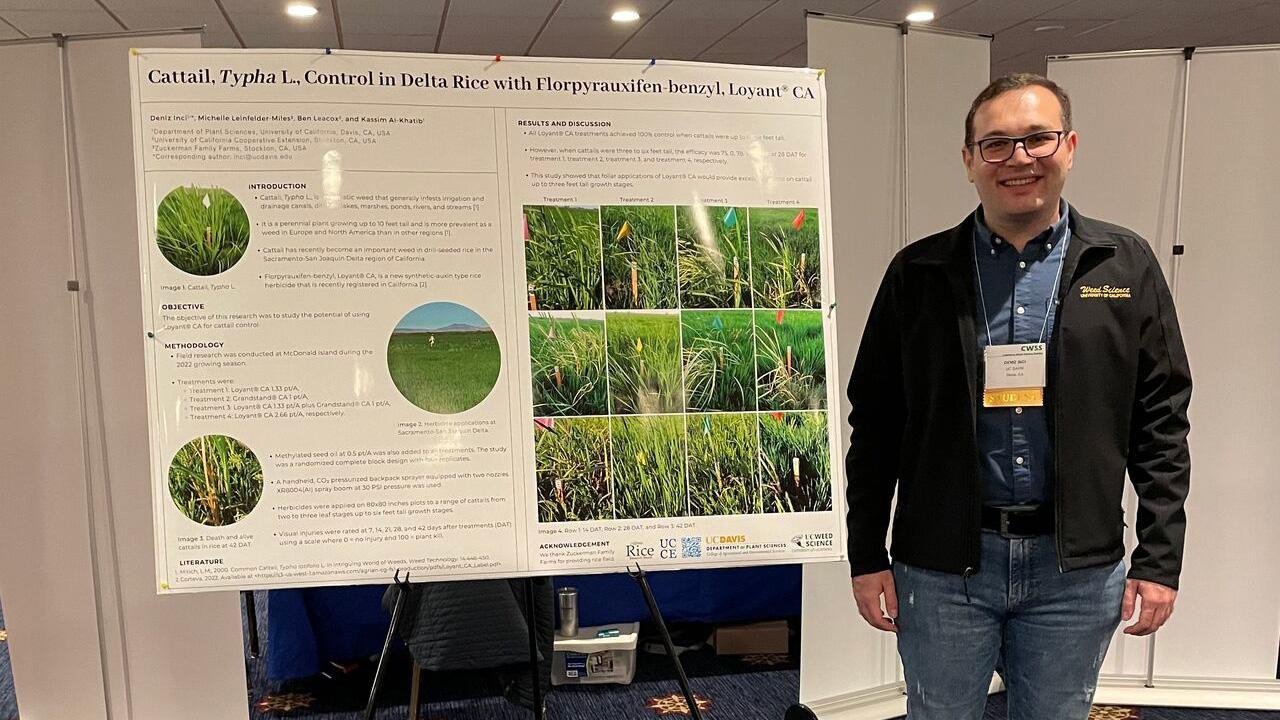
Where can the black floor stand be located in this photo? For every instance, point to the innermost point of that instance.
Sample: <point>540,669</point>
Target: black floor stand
<point>656,614</point>
<point>251,612</point>
<point>402,587</point>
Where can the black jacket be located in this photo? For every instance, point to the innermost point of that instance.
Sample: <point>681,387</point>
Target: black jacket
<point>1118,389</point>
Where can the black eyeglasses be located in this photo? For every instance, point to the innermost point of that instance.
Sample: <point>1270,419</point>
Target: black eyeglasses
<point>1042,143</point>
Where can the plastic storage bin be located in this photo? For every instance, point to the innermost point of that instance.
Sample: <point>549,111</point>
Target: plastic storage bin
<point>587,658</point>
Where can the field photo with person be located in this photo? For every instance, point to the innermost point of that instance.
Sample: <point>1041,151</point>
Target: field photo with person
<point>714,258</point>
<point>785,267</point>
<point>723,453</point>
<point>201,230</point>
<point>562,258</point>
<point>795,462</point>
<point>567,350</point>
<point>648,456</point>
<point>443,357</point>
<point>574,477</point>
<point>644,362</point>
<point>215,480</point>
<point>791,363</point>
<point>719,360</point>
<point>639,256</point>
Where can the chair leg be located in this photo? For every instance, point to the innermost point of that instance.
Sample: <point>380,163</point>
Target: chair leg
<point>415,685</point>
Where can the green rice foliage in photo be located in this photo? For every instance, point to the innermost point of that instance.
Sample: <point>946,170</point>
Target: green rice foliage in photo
<point>648,466</point>
<point>795,462</point>
<point>568,366</point>
<point>201,230</point>
<point>644,363</point>
<point>719,360</point>
<point>572,457</point>
<point>562,258</point>
<point>215,480</point>
<point>723,452</point>
<point>712,244</point>
<point>791,360</point>
<point>785,267</point>
<point>444,358</point>
<point>639,256</point>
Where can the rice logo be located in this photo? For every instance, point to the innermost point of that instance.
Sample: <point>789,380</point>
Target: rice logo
<point>639,550</point>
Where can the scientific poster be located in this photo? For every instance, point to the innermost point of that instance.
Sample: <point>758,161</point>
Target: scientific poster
<point>476,317</point>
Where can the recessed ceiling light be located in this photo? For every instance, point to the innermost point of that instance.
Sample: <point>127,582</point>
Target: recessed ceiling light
<point>625,16</point>
<point>301,10</point>
<point>1050,28</point>
<point>920,16</point>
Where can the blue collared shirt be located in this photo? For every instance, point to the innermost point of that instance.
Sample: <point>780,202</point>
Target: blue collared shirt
<point>1016,295</point>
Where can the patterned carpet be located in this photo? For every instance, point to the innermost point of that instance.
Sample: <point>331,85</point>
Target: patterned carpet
<point>759,687</point>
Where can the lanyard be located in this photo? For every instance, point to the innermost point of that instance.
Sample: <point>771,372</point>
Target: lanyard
<point>1047,306</point>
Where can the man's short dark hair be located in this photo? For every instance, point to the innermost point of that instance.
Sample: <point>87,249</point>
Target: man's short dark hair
<point>1014,81</point>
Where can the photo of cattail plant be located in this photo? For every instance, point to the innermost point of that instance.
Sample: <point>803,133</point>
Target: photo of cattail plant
<point>443,357</point>
<point>648,466</point>
<point>215,480</point>
<point>639,256</point>
<point>723,456</point>
<point>785,271</point>
<point>562,258</point>
<point>715,267</point>
<point>572,456</point>
<point>719,360</point>
<point>795,462</point>
<point>201,230</point>
<point>644,363</point>
<point>568,357</point>
<point>791,367</point>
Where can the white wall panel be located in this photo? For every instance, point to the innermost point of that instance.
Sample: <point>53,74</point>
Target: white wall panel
<point>845,662</point>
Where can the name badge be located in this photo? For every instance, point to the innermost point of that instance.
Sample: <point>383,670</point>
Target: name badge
<point>1015,375</point>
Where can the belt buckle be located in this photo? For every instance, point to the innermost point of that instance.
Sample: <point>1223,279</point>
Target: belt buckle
<point>1004,521</point>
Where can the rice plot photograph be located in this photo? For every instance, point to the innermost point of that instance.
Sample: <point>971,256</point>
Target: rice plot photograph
<point>719,360</point>
<point>795,462</point>
<point>562,258</point>
<point>714,261</point>
<point>791,363</point>
<point>648,466</point>
<point>568,361</point>
<point>572,456</point>
<point>644,363</point>
<point>785,267</point>
<point>639,256</point>
<point>443,357</point>
<point>201,230</point>
<point>215,480</point>
<point>723,456</point>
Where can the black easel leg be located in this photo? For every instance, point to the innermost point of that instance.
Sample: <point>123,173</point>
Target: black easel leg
<point>251,612</point>
<point>639,576</point>
<point>530,607</point>
<point>403,589</point>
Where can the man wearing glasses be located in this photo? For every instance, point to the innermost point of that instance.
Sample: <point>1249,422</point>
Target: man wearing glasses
<point>1013,368</point>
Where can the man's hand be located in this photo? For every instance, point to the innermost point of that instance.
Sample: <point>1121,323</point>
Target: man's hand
<point>867,590</point>
<point>1157,605</point>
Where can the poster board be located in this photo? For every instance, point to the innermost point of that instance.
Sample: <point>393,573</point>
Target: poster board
<point>476,317</point>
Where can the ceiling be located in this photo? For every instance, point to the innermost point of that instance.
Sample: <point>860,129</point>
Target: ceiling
<point>760,32</point>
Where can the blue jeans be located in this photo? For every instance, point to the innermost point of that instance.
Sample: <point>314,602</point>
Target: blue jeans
<point>1046,632</point>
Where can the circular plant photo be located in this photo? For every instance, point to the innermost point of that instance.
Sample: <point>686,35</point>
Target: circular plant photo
<point>215,480</point>
<point>443,357</point>
<point>201,230</point>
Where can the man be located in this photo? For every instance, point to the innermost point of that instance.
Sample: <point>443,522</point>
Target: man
<point>1012,369</point>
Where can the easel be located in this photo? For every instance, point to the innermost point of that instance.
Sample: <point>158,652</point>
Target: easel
<point>402,590</point>
<point>641,579</point>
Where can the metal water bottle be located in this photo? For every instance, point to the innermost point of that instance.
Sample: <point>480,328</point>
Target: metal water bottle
<point>568,600</point>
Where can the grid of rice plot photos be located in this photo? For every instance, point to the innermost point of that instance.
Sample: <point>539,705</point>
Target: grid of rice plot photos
<point>677,359</point>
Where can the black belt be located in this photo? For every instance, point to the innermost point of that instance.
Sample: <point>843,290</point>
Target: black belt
<point>1018,521</point>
